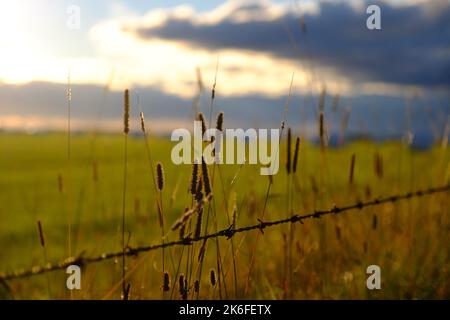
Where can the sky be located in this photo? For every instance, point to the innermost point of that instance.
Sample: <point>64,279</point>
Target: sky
<point>159,48</point>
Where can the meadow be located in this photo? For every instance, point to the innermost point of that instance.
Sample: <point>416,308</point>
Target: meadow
<point>322,258</point>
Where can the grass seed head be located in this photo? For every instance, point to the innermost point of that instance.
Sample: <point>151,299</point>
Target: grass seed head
<point>126,113</point>
<point>321,130</point>
<point>352,169</point>
<point>181,285</point>
<point>213,277</point>
<point>199,193</point>
<point>296,153</point>
<point>219,124</point>
<point>166,282</point>
<point>182,231</point>
<point>141,115</point>
<point>160,176</point>
<point>201,117</point>
<point>206,181</point>
<point>196,286</point>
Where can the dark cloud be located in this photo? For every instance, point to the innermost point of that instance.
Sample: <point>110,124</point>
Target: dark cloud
<point>412,47</point>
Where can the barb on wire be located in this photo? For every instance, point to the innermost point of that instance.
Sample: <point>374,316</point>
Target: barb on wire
<point>228,233</point>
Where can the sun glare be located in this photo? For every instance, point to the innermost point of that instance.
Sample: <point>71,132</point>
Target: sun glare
<point>19,41</point>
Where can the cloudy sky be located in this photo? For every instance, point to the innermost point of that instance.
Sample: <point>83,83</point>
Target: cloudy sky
<point>156,47</point>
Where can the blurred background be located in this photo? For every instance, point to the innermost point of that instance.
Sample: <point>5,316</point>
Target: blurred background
<point>317,57</point>
<point>384,84</point>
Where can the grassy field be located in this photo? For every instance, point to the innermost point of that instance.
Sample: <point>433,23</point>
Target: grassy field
<point>322,258</point>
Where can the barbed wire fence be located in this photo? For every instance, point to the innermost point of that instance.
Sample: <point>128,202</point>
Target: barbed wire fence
<point>227,233</point>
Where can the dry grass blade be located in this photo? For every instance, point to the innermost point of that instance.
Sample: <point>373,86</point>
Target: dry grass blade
<point>126,129</point>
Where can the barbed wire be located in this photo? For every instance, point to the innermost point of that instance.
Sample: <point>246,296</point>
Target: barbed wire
<point>228,233</point>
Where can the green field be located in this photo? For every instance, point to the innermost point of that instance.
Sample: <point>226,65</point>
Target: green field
<point>329,256</point>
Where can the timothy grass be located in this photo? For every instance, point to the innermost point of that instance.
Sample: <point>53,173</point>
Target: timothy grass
<point>126,130</point>
<point>408,240</point>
